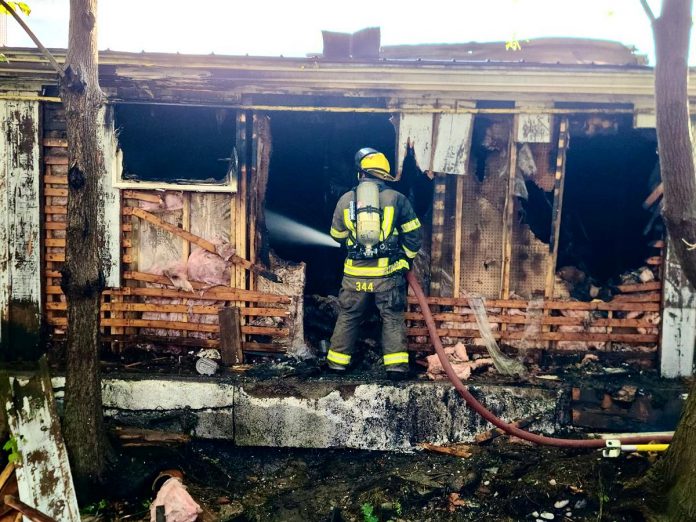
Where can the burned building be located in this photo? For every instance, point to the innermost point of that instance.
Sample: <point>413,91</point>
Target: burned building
<point>537,178</point>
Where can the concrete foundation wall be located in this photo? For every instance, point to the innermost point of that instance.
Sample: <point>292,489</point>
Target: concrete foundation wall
<point>321,414</point>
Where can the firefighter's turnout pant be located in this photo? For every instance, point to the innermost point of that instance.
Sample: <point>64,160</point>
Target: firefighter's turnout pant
<point>379,278</point>
<point>391,304</point>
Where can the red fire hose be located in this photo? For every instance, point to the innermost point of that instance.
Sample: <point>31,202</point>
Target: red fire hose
<point>490,417</point>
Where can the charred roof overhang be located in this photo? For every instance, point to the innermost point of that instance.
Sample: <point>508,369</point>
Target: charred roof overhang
<point>223,80</point>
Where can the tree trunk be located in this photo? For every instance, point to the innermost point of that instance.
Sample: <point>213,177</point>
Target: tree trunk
<point>675,475</point>
<point>671,31</point>
<point>82,275</point>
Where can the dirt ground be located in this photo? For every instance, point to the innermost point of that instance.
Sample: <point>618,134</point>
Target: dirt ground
<point>504,481</point>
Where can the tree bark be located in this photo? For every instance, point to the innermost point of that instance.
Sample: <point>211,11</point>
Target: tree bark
<point>671,33</point>
<point>673,480</point>
<point>82,275</point>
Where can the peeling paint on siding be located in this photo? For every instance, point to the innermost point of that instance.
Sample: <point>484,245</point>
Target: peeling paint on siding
<point>678,321</point>
<point>111,225</point>
<point>20,282</point>
<point>44,477</point>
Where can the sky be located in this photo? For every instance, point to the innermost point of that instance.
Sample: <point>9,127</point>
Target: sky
<point>293,27</point>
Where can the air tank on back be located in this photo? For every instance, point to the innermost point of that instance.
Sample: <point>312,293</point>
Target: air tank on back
<point>368,219</point>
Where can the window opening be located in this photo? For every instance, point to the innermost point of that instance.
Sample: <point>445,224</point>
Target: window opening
<point>177,145</point>
<point>611,169</point>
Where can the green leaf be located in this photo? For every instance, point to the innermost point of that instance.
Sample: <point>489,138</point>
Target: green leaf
<point>11,446</point>
<point>368,512</point>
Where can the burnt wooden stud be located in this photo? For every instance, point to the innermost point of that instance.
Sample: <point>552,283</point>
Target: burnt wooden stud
<point>230,319</point>
<point>29,512</point>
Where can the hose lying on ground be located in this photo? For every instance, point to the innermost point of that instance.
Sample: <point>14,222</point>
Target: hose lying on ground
<point>490,417</point>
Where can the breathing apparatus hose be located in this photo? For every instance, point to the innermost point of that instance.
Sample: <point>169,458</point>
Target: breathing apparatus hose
<point>479,408</point>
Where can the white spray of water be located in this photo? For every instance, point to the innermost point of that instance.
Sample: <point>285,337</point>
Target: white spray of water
<point>290,231</point>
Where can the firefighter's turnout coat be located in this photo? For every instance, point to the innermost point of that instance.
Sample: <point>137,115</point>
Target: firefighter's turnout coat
<point>381,278</point>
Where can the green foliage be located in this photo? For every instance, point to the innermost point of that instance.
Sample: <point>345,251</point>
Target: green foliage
<point>11,446</point>
<point>368,512</point>
<point>95,508</point>
<point>16,6</point>
<point>398,508</point>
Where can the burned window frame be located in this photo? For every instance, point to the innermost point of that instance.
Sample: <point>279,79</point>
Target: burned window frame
<point>227,185</point>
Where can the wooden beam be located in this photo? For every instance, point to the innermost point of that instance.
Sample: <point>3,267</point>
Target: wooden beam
<point>458,215</point>
<point>508,212</point>
<point>230,320</point>
<point>176,308</point>
<point>641,287</point>
<point>556,212</point>
<point>143,196</point>
<point>216,293</point>
<point>542,336</point>
<point>29,512</point>
<point>438,233</point>
<point>192,238</point>
<point>550,320</point>
<point>56,180</point>
<point>678,327</point>
<point>139,437</point>
<point>55,142</point>
<point>548,305</point>
<point>654,196</point>
<point>20,223</point>
<point>179,325</point>
<point>31,414</point>
<point>6,473</point>
<point>262,347</point>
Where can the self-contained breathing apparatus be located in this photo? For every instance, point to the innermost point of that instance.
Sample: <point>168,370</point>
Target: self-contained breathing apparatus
<point>364,210</point>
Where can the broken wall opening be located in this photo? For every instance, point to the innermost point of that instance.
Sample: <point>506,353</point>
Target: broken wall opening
<point>611,169</point>
<point>532,215</point>
<point>176,144</point>
<point>311,167</point>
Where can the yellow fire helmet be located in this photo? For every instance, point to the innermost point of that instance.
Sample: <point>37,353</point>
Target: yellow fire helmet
<point>374,163</point>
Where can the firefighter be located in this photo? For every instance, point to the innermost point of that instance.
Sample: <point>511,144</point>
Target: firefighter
<point>382,235</point>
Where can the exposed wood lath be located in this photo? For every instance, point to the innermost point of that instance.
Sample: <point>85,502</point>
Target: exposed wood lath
<point>149,306</point>
<point>520,323</point>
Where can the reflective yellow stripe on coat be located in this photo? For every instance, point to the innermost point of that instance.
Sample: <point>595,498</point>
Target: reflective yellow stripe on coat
<point>337,234</point>
<point>387,222</point>
<point>410,226</point>
<point>382,269</point>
